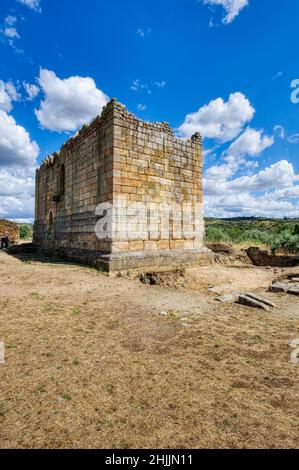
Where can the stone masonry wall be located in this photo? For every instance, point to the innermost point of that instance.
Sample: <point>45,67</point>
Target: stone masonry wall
<point>70,185</point>
<point>119,156</point>
<point>151,165</point>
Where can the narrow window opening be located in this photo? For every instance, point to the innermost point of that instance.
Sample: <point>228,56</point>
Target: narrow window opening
<point>62,179</point>
<point>50,220</point>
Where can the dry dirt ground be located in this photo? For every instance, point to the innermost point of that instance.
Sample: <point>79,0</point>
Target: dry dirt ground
<point>92,363</point>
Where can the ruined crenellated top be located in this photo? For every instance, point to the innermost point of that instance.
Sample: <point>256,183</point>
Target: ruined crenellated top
<point>116,110</point>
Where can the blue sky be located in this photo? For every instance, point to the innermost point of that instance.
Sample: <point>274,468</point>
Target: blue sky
<point>223,67</point>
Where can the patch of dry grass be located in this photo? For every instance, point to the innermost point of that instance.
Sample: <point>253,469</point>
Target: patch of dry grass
<point>90,362</point>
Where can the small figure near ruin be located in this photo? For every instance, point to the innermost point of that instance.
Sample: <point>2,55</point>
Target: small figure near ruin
<point>5,242</point>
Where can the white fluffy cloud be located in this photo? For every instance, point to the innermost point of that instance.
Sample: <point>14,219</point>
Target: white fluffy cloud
<point>290,138</point>
<point>8,94</point>
<point>16,148</point>
<point>138,85</point>
<point>32,90</point>
<point>142,33</point>
<point>18,155</point>
<point>232,185</point>
<point>161,84</point>
<point>256,195</point>
<point>248,205</point>
<point>277,176</point>
<point>251,143</point>
<point>9,31</point>
<point>232,8</point>
<point>18,152</point>
<point>266,193</point>
<point>68,103</point>
<point>219,119</point>
<point>10,20</point>
<point>16,195</point>
<point>32,4</point>
<point>12,91</point>
<point>5,98</point>
<point>15,183</point>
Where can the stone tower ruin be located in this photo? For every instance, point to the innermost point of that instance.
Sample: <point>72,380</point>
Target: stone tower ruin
<point>122,194</point>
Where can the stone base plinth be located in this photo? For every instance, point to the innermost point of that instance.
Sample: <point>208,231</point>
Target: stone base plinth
<point>138,262</point>
<point>147,261</point>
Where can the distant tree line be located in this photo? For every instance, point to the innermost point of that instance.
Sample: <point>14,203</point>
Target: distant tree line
<point>280,235</point>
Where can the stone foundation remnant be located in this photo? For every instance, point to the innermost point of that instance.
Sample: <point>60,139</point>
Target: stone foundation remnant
<point>263,258</point>
<point>123,194</point>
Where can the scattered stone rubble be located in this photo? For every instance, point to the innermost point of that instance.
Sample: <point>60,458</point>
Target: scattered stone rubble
<point>284,287</point>
<point>256,301</point>
<point>245,299</point>
<point>251,300</point>
<point>220,248</point>
<point>226,298</point>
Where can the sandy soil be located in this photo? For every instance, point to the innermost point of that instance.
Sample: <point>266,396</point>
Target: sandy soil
<point>91,362</point>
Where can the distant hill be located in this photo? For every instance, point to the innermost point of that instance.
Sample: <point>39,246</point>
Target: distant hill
<point>285,219</point>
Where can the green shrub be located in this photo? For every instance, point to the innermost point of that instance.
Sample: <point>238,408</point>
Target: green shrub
<point>25,232</point>
<point>276,234</point>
